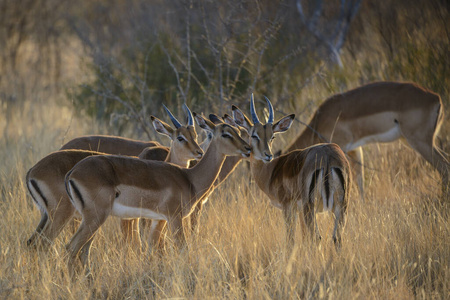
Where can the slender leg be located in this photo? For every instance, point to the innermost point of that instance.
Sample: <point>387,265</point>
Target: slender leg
<point>289,213</point>
<point>80,243</point>
<point>176,228</point>
<point>32,240</point>
<point>356,160</point>
<point>310,220</point>
<point>195,218</point>
<point>130,231</point>
<point>156,235</point>
<point>60,216</point>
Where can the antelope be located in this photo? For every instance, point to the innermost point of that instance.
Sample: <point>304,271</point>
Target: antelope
<point>228,166</point>
<point>379,112</point>
<point>45,180</point>
<point>292,180</point>
<point>109,144</point>
<point>126,187</point>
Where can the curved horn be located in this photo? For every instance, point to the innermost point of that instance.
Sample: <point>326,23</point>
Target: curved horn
<point>174,120</point>
<point>189,115</point>
<point>253,112</point>
<point>270,120</point>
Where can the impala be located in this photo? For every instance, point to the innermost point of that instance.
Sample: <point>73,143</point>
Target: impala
<point>45,180</point>
<point>379,112</point>
<point>228,166</point>
<point>292,180</point>
<point>109,144</point>
<point>126,187</point>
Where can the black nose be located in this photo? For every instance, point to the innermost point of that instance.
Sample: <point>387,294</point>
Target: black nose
<point>248,148</point>
<point>269,156</point>
<point>200,154</point>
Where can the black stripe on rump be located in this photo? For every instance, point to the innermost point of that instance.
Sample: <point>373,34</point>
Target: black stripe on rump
<point>77,192</point>
<point>341,179</point>
<point>38,190</point>
<point>313,184</point>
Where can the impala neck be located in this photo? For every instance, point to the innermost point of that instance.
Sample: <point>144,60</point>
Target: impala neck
<point>227,168</point>
<point>206,171</point>
<point>261,173</point>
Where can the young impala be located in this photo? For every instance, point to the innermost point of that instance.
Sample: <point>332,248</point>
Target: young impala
<point>45,180</point>
<point>126,187</point>
<point>379,112</point>
<point>292,180</point>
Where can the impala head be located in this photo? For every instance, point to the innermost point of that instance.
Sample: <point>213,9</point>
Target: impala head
<point>226,136</point>
<point>184,137</point>
<point>261,135</point>
<point>243,132</point>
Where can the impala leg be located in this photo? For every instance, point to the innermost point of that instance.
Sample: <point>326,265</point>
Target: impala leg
<point>339,214</point>
<point>176,228</point>
<point>356,160</point>
<point>80,243</point>
<point>32,240</point>
<point>435,157</point>
<point>60,216</point>
<point>130,231</point>
<point>195,218</point>
<point>309,217</point>
<point>289,213</point>
<point>156,235</point>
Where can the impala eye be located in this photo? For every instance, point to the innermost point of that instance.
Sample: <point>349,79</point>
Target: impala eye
<point>255,137</point>
<point>226,135</point>
<point>181,139</point>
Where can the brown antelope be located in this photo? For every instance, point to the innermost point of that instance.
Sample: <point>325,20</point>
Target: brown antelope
<point>379,112</point>
<point>126,187</point>
<point>109,144</point>
<point>292,180</point>
<point>45,180</point>
<point>228,166</point>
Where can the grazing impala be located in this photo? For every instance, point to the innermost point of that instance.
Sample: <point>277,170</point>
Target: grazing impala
<point>379,112</point>
<point>292,180</point>
<point>101,186</point>
<point>45,180</point>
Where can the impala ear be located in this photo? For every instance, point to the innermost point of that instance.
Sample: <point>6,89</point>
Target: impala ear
<point>283,124</point>
<point>204,123</point>
<point>161,127</point>
<point>240,118</point>
<point>229,120</point>
<point>215,119</point>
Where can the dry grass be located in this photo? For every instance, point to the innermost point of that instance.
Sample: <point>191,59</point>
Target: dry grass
<point>395,245</point>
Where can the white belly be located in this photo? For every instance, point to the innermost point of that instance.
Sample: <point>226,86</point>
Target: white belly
<point>383,137</point>
<point>127,212</point>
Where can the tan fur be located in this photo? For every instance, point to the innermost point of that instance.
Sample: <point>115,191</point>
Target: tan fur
<point>109,144</point>
<point>95,184</point>
<point>287,180</point>
<point>379,112</point>
<point>49,175</point>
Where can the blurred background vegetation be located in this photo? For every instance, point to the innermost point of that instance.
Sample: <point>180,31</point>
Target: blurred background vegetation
<point>117,61</point>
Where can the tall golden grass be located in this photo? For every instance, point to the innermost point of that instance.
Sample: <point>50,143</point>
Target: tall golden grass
<point>395,245</point>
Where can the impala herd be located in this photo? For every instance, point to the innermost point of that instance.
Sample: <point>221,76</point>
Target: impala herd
<point>94,177</point>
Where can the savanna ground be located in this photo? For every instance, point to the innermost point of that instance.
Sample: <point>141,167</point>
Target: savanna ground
<point>395,245</point>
